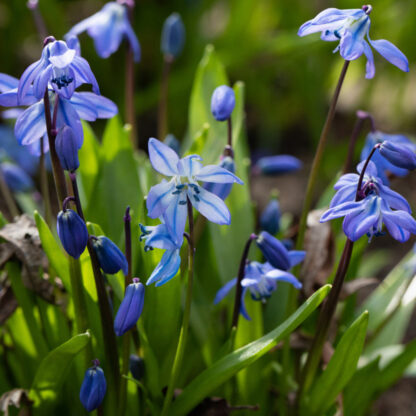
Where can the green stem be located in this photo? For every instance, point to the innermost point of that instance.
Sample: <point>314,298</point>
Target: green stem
<point>44,185</point>
<point>177,363</point>
<point>163,99</point>
<point>8,197</point>
<point>313,176</point>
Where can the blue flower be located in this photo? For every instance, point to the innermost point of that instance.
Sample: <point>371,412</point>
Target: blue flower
<point>377,204</point>
<point>130,309</point>
<point>383,164</point>
<point>108,27</point>
<point>72,232</point>
<point>67,149</point>
<point>110,257</point>
<point>93,387</point>
<point>222,102</point>
<point>261,281</point>
<point>61,68</point>
<point>350,27</point>
<point>276,165</point>
<point>15,177</point>
<point>222,189</point>
<point>160,237</point>
<point>270,217</point>
<point>169,199</point>
<point>173,36</point>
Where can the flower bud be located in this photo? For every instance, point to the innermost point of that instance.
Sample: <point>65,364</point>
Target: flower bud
<point>222,190</point>
<point>130,309</point>
<point>110,257</point>
<point>398,154</point>
<point>16,178</point>
<point>136,366</point>
<point>274,251</point>
<point>222,103</point>
<point>93,387</point>
<point>67,149</point>
<point>275,165</point>
<point>173,36</point>
<point>270,217</point>
<point>72,232</point>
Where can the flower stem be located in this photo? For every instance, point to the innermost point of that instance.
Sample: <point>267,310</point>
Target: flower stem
<point>8,197</point>
<point>240,277</point>
<point>33,5</point>
<point>318,158</point>
<point>129,96</point>
<point>229,133</point>
<point>177,363</point>
<point>163,99</point>
<point>44,185</point>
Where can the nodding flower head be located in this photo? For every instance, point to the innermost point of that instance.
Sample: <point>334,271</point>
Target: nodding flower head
<point>400,156</point>
<point>66,145</point>
<point>93,387</point>
<point>351,28</point>
<point>222,102</point>
<point>59,67</point>
<point>173,36</point>
<point>109,256</point>
<point>270,217</point>
<point>276,165</point>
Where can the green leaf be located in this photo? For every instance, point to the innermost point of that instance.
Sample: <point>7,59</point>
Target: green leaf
<point>231,364</point>
<point>53,370</point>
<point>339,371</point>
<point>53,251</point>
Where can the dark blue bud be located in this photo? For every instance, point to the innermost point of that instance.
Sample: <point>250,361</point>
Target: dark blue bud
<point>398,154</point>
<point>136,366</point>
<point>222,190</point>
<point>275,165</point>
<point>173,36</point>
<point>173,143</point>
<point>270,217</point>
<point>16,178</point>
<point>110,257</point>
<point>222,103</point>
<point>273,250</point>
<point>72,232</point>
<point>93,387</point>
<point>67,149</point>
<point>130,309</point>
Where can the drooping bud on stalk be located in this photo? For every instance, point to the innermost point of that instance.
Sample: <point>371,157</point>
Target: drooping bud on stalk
<point>110,257</point>
<point>66,145</point>
<point>72,232</point>
<point>399,155</point>
<point>136,366</point>
<point>93,387</point>
<point>270,217</point>
<point>222,103</point>
<point>222,189</point>
<point>130,309</point>
<point>274,251</point>
<point>173,36</point>
<point>276,165</point>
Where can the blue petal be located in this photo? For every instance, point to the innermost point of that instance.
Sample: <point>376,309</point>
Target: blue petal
<point>175,217</point>
<point>349,179</point>
<point>393,199</point>
<point>351,47</point>
<point>83,72</point>
<point>210,206</point>
<point>160,237</point>
<point>93,106</point>
<point>217,174</point>
<point>223,292</point>
<point>132,38</point>
<point>159,198</point>
<point>296,257</point>
<point>189,166</point>
<point>28,77</point>
<point>60,55</point>
<point>166,269</point>
<point>281,276</point>
<point>343,209</point>
<point>345,194</point>
<point>41,81</point>
<point>370,68</point>
<point>243,309</point>
<point>390,52</point>
<point>7,82</point>
<point>163,158</point>
<point>30,126</point>
<point>67,116</point>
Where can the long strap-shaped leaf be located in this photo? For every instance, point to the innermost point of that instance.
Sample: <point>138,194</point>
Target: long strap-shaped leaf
<point>228,366</point>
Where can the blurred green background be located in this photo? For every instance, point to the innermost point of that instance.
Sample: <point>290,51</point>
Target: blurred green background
<point>288,79</point>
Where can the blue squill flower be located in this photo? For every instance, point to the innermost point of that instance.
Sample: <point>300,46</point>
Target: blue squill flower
<point>398,155</point>
<point>169,199</point>
<point>110,257</point>
<point>108,27</point>
<point>351,28</point>
<point>93,387</point>
<point>222,190</point>
<point>382,163</point>
<point>72,232</point>
<point>276,165</point>
<point>66,145</point>
<point>130,309</point>
<point>59,67</point>
<point>160,237</point>
<point>173,36</point>
<point>222,102</point>
<point>270,217</point>
<point>261,281</point>
<point>377,204</point>
<point>15,177</point>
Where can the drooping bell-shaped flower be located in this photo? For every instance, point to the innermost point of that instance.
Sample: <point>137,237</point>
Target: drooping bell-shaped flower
<point>270,217</point>
<point>222,102</point>
<point>273,250</point>
<point>72,232</point>
<point>222,190</point>
<point>66,145</point>
<point>400,156</point>
<point>110,257</point>
<point>173,36</point>
<point>15,177</point>
<point>108,27</point>
<point>276,165</point>
<point>131,308</point>
<point>351,28</point>
<point>93,388</point>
